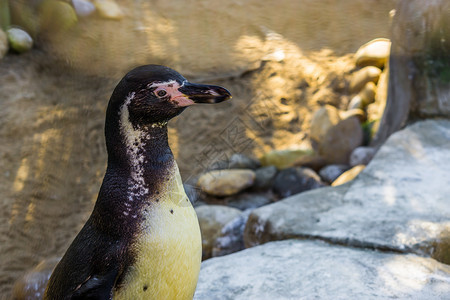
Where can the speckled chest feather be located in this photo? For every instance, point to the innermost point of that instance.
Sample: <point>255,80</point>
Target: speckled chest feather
<point>167,248</point>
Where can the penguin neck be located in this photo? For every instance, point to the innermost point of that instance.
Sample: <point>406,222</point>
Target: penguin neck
<point>139,157</point>
<point>147,159</point>
<point>140,165</point>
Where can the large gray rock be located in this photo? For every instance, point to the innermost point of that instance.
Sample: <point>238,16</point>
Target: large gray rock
<point>362,156</point>
<point>399,202</point>
<point>212,218</point>
<point>231,238</point>
<point>314,270</point>
<point>419,77</point>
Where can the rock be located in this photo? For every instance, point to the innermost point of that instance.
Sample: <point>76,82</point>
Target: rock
<point>361,77</point>
<point>83,8</point>
<point>398,203</point>
<point>441,248</point>
<point>283,159</point>
<point>3,44</point>
<point>322,120</point>
<point>242,161</point>
<point>56,16</point>
<point>226,182</point>
<point>348,175</point>
<point>419,81</point>
<point>341,140</point>
<point>296,269</point>
<point>364,97</point>
<point>32,285</point>
<point>356,103</point>
<point>295,180</point>
<point>109,9</point>
<point>356,112</point>
<point>374,53</point>
<point>212,218</point>
<point>331,172</point>
<point>362,156</point>
<point>19,40</point>
<point>249,201</point>
<point>312,161</point>
<point>231,237</point>
<point>264,177</point>
<point>368,93</point>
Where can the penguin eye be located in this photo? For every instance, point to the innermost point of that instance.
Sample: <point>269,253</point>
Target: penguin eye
<point>161,93</point>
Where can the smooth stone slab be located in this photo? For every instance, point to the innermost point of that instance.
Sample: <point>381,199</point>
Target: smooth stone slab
<point>295,269</point>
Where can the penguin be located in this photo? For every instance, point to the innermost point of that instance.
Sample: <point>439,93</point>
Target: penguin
<point>142,239</point>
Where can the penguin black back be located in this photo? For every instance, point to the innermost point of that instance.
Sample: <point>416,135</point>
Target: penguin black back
<point>142,239</point>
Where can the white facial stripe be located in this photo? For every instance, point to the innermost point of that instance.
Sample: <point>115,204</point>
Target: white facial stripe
<point>134,140</point>
<point>162,83</point>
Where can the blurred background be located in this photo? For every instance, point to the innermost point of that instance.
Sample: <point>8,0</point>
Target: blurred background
<point>282,60</point>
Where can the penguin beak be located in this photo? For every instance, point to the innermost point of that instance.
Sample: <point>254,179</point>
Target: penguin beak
<point>203,93</point>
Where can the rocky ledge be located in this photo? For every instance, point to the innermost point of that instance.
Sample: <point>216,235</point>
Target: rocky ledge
<point>295,269</point>
<point>400,202</point>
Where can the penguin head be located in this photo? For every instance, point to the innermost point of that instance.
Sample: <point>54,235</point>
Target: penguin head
<point>155,94</point>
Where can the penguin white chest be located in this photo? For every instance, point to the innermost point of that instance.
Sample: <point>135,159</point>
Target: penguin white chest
<point>168,249</point>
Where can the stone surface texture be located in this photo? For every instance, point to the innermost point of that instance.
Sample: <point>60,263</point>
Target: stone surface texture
<point>361,77</point>
<point>285,158</point>
<point>348,175</point>
<point>295,269</point>
<point>295,180</point>
<point>374,53</point>
<point>399,202</point>
<point>419,64</point>
<point>331,172</point>
<point>323,119</point>
<point>362,156</point>
<point>231,238</point>
<point>226,182</point>
<point>340,140</point>
<point>212,218</point>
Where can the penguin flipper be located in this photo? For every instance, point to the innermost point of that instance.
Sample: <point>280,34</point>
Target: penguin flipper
<point>98,287</point>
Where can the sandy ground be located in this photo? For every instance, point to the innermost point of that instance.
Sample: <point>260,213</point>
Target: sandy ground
<point>52,153</point>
